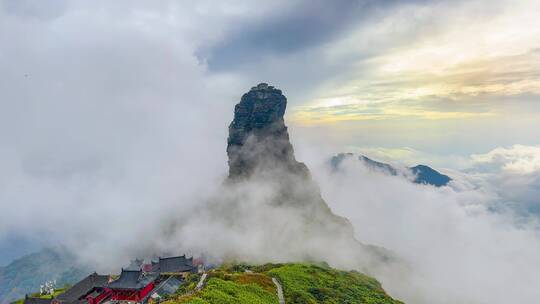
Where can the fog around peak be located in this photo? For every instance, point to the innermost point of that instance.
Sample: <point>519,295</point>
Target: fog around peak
<point>113,135</point>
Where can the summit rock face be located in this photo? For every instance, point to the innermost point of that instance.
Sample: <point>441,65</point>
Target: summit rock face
<point>259,151</point>
<point>258,138</point>
<point>273,199</point>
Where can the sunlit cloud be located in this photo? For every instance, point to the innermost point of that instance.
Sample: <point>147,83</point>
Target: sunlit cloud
<point>518,159</point>
<point>362,111</point>
<point>471,52</point>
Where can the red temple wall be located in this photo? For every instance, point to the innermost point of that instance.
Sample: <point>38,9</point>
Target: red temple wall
<point>145,291</point>
<point>97,300</point>
<point>135,295</point>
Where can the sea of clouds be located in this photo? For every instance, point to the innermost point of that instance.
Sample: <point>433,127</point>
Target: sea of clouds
<point>466,243</point>
<point>112,144</point>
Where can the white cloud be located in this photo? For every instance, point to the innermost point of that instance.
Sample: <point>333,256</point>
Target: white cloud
<point>458,250</point>
<point>108,123</point>
<point>111,129</point>
<point>518,159</point>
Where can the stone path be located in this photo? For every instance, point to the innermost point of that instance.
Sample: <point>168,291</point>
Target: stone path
<point>201,282</point>
<point>279,291</point>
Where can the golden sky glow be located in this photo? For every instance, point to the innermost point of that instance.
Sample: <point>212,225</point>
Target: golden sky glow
<point>330,114</point>
<point>465,61</point>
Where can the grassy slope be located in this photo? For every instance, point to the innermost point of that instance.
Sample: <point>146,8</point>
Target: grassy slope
<point>57,292</point>
<point>305,283</point>
<point>230,292</point>
<point>231,287</point>
<point>302,283</point>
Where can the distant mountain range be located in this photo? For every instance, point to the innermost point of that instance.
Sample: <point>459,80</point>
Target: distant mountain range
<point>25,274</point>
<point>422,174</point>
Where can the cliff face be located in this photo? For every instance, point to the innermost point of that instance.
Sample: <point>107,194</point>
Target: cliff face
<point>259,150</point>
<point>258,138</point>
<point>270,208</point>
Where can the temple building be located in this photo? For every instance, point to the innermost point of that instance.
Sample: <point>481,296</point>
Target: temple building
<point>178,265</point>
<point>132,285</point>
<point>137,283</point>
<point>32,300</point>
<point>167,287</point>
<point>92,290</point>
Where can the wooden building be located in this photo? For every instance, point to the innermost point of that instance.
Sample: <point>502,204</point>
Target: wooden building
<point>132,285</point>
<point>177,265</point>
<point>92,289</point>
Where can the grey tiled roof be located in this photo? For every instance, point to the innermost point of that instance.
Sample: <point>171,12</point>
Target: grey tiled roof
<point>132,279</point>
<point>82,288</point>
<point>168,286</point>
<point>175,264</point>
<point>36,301</point>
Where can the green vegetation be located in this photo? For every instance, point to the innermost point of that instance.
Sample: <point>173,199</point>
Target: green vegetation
<point>56,293</point>
<point>308,283</point>
<point>302,284</point>
<point>189,285</point>
<point>25,274</point>
<point>230,292</point>
<point>229,286</point>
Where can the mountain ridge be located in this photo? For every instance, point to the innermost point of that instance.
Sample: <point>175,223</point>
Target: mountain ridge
<point>26,273</point>
<point>422,174</point>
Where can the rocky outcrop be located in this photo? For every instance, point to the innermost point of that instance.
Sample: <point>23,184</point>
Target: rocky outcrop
<point>271,199</point>
<point>259,149</point>
<point>258,138</point>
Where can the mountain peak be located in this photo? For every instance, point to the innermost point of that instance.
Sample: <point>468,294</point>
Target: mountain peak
<point>258,137</point>
<point>262,86</point>
<point>261,155</point>
<point>427,175</point>
<point>423,174</point>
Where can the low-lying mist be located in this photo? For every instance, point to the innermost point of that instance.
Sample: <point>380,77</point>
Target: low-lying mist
<point>452,247</point>
<point>458,247</point>
<point>163,192</point>
<point>113,130</point>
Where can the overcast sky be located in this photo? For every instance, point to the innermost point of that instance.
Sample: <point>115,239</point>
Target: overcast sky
<point>114,110</point>
<point>445,77</point>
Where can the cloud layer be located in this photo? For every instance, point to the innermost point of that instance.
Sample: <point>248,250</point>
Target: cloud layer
<point>114,119</point>
<point>459,249</point>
